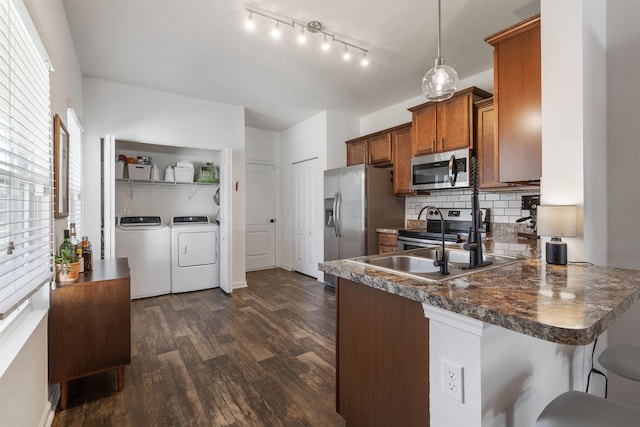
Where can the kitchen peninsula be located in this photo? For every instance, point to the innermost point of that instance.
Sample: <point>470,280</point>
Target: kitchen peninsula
<point>521,334</point>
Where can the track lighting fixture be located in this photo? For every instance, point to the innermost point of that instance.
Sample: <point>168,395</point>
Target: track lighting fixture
<point>311,27</point>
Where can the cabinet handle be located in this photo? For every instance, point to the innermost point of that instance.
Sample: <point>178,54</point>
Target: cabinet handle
<point>433,145</point>
<point>442,143</point>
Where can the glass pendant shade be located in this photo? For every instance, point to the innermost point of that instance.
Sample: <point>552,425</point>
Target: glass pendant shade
<point>440,82</point>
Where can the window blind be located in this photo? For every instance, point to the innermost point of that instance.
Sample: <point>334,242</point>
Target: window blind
<point>26,175</point>
<point>75,170</point>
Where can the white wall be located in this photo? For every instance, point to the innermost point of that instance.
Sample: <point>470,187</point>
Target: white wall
<point>340,128</point>
<point>574,119</point>
<point>303,141</point>
<point>142,115</point>
<point>623,152</point>
<point>262,146</point>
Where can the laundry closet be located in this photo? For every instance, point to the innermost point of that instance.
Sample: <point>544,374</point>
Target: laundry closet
<point>165,201</point>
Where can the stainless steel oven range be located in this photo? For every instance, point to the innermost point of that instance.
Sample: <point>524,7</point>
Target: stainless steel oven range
<point>456,228</point>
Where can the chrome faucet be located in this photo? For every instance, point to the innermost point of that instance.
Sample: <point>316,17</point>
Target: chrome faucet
<point>443,261</point>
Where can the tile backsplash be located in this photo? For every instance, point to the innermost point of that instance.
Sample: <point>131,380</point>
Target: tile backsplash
<point>504,207</point>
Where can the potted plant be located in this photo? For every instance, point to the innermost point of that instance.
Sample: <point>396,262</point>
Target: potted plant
<point>67,267</point>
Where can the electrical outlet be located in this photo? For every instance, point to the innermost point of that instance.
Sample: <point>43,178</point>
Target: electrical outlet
<point>452,380</point>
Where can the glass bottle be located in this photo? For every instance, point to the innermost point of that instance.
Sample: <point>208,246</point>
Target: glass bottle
<point>87,253</point>
<point>66,248</point>
<point>72,234</point>
<point>80,257</point>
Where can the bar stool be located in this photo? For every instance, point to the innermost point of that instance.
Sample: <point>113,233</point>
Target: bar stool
<point>622,360</point>
<point>575,408</point>
<point>579,409</point>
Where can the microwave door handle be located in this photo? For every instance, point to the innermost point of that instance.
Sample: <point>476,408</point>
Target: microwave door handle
<point>453,170</point>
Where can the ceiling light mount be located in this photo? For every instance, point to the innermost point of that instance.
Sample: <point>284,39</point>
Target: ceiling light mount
<point>312,27</point>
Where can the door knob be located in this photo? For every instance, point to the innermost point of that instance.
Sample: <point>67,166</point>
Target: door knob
<point>272,220</point>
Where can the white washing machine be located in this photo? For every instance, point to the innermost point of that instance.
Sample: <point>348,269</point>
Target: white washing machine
<point>194,254</point>
<point>146,241</point>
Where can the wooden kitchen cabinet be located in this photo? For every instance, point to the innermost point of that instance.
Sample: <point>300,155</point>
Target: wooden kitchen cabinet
<point>90,325</point>
<point>380,150</point>
<point>487,145</point>
<point>387,242</point>
<point>517,99</point>
<point>402,152</point>
<point>356,151</point>
<point>377,148</point>
<point>447,125</point>
<point>382,358</point>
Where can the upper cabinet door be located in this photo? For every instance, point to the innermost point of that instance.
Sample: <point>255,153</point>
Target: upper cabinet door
<point>356,152</point>
<point>401,139</point>
<point>454,119</point>
<point>424,130</point>
<point>380,149</point>
<point>518,96</point>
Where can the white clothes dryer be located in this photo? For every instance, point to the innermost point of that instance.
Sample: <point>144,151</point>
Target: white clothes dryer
<point>146,242</point>
<point>194,254</point>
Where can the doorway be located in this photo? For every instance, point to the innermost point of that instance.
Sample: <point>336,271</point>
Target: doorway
<point>260,216</point>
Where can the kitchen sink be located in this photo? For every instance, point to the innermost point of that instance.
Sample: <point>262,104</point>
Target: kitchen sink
<point>419,263</point>
<point>406,263</point>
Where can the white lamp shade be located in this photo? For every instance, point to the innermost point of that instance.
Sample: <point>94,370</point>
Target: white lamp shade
<point>557,221</point>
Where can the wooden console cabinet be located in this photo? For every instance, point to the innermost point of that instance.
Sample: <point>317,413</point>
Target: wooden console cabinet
<point>90,325</point>
<point>382,358</point>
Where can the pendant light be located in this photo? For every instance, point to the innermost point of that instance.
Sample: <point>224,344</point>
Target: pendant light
<point>441,81</point>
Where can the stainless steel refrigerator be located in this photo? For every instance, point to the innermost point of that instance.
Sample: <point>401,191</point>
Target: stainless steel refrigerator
<point>357,200</point>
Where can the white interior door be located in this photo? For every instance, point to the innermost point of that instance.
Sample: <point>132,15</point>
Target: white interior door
<point>305,258</point>
<point>260,216</point>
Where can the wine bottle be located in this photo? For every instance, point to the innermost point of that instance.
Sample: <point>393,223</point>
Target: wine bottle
<point>66,248</point>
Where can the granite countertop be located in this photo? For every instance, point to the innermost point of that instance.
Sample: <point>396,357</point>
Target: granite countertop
<point>570,304</point>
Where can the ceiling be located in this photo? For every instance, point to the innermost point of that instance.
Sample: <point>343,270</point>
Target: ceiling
<point>200,48</point>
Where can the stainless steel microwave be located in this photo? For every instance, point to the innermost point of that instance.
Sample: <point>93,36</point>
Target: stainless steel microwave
<point>449,169</point>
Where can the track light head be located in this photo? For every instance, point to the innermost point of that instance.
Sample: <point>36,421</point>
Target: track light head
<point>250,24</point>
<point>275,31</point>
<point>364,61</point>
<point>302,38</point>
<point>346,55</point>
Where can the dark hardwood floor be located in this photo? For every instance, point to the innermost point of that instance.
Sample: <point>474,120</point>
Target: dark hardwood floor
<point>262,356</point>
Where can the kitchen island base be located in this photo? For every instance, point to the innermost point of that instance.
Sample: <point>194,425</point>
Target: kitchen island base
<point>382,354</point>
